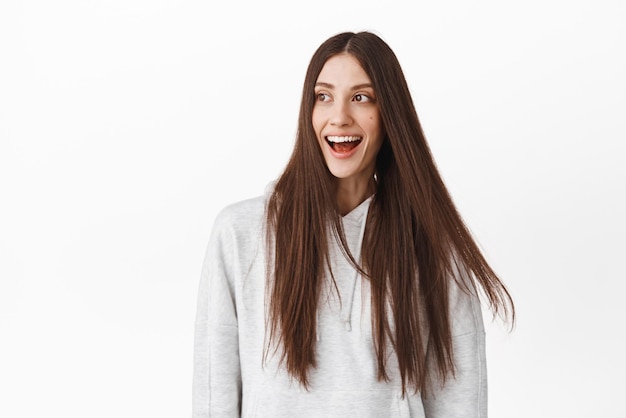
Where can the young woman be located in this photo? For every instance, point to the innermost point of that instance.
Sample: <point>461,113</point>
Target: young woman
<point>351,288</point>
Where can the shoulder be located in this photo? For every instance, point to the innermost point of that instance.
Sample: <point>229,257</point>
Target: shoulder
<point>241,216</point>
<point>244,214</point>
<point>243,209</point>
<point>236,235</point>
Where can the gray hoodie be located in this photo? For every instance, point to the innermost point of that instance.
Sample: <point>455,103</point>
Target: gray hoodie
<point>231,378</point>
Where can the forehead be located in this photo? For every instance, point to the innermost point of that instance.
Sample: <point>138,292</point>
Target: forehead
<point>343,70</point>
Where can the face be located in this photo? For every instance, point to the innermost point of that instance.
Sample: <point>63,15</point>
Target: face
<point>346,120</point>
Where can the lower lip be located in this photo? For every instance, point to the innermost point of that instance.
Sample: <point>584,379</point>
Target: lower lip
<point>343,155</point>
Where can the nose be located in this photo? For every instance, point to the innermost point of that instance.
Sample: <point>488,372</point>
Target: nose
<point>340,115</point>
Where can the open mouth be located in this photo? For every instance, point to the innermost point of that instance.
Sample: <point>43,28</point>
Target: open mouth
<point>343,144</point>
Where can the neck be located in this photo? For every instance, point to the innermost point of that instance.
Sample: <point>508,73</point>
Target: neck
<point>351,194</point>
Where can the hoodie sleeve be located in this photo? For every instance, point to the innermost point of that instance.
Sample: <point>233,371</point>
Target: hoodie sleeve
<point>216,369</point>
<point>464,394</point>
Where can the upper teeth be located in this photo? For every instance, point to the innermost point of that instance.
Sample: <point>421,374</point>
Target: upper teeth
<point>343,138</point>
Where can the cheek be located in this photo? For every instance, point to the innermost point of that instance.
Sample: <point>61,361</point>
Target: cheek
<point>315,121</point>
<point>374,123</point>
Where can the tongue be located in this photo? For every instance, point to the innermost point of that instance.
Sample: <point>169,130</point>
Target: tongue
<point>345,146</point>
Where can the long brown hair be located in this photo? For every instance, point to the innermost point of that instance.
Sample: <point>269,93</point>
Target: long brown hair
<point>412,217</point>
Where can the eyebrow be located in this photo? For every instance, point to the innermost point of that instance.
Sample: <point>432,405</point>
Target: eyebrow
<point>355,87</point>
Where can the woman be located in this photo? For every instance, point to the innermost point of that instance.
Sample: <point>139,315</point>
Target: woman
<point>351,288</point>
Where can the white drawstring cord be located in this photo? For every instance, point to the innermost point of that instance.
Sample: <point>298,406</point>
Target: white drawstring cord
<point>348,314</point>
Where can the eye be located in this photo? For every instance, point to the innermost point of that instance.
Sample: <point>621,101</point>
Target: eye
<point>362,98</point>
<point>322,97</point>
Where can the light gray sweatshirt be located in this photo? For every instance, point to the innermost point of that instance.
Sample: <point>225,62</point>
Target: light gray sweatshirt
<point>231,378</point>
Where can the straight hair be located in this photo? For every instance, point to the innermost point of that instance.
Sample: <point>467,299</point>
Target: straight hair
<point>412,218</point>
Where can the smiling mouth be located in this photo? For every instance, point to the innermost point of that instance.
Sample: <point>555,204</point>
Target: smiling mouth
<point>343,144</point>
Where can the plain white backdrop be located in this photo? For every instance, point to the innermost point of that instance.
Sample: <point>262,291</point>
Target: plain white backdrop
<point>126,125</point>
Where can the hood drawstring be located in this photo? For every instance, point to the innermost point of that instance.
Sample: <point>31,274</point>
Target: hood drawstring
<point>347,316</point>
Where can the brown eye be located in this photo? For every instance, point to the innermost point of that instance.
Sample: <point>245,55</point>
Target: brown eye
<point>361,98</point>
<point>322,97</point>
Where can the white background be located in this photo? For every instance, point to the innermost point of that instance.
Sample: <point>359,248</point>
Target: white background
<point>125,125</point>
